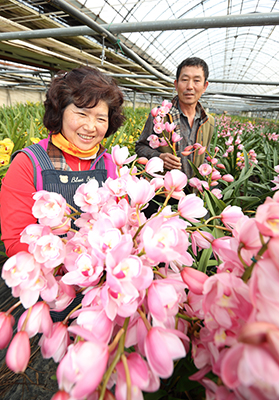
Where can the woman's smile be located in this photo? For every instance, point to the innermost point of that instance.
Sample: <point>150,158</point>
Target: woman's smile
<point>85,127</point>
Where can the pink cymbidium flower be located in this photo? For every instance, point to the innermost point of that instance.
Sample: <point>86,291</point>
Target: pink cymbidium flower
<point>252,370</point>
<point>202,150</point>
<point>140,378</point>
<point>155,164</point>
<point>22,273</point>
<point>116,187</point>
<point>117,303</point>
<point>162,346</point>
<point>157,183</point>
<point>205,169</point>
<point>228,178</point>
<point>215,175</point>
<point>65,295</point>
<point>263,284</point>
<point>191,207</point>
<point>56,344</point>
<point>166,103</point>
<point>170,127</point>
<point>87,196</point>
<point>142,160</point>
<point>48,250</point>
<point>230,215</point>
<point>196,183</point>
<point>18,353</point>
<point>154,112</point>
<point>125,272</point>
<point>95,320</point>
<point>217,193</point>
<point>267,217</point>
<point>246,232</point>
<point>163,142</point>
<point>39,320</point>
<point>82,368</point>
<point>61,395</point>
<point>117,215</point>
<point>166,241</point>
<point>163,300</point>
<point>194,279</point>
<point>140,191</point>
<point>226,302</point>
<point>202,240</point>
<point>221,166</point>
<point>104,237</point>
<point>159,127</point>
<point>175,180</point>
<point>120,155</point>
<point>6,329</point>
<point>175,137</point>
<point>154,141</point>
<point>33,232</point>
<point>162,111</point>
<point>49,208</point>
<point>86,271</point>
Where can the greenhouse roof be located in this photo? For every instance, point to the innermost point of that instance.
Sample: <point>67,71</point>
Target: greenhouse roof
<point>141,42</point>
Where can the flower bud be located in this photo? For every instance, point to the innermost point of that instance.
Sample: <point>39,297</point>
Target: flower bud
<point>6,329</point>
<point>18,353</point>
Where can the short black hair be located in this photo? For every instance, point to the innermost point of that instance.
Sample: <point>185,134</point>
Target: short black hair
<point>193,62</point>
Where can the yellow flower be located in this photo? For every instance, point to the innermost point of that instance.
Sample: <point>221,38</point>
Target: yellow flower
<point>6,146</point>
<point>34,140</point>
<point>4,159</point>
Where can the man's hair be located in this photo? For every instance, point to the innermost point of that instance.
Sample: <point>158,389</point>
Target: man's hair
<point>84,87</point>
<point>193,62</point>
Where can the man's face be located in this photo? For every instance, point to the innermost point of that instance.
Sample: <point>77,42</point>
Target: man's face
<point>190,85</point>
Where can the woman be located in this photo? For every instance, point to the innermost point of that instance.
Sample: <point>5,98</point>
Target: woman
<point>81,108</point>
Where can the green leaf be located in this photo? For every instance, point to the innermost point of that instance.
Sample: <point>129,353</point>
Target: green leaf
<point>203,262</point>
<point>219,203</point>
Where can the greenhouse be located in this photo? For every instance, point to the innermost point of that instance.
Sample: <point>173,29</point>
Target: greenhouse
<point>139,202</point>
<point>238,40</point>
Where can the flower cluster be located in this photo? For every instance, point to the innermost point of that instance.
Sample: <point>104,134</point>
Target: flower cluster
<point>238,339</point>
<point>143,301</point>
<point>210,172</point>
<point>233,142</point>
<point>164,131</point>
<point>115,260</point>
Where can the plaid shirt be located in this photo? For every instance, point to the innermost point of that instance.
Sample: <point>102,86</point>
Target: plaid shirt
<point>188,134</point>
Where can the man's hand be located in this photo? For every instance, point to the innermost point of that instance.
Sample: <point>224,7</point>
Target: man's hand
<point>170,161</point>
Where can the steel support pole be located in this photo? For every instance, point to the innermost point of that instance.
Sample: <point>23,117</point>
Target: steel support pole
<point>227,21</point>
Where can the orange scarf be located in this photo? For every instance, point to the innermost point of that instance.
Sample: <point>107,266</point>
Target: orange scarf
<point>69,148</point>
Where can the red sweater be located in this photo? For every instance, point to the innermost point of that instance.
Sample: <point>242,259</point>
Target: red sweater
<point>16,199</point>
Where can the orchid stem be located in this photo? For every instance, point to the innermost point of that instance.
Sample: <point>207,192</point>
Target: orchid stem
<point>71,312</point>
<point>128,377</point>
<point>248,271</point>
<point>26,319</point>
<point>186,318</point>
<point>117,357</point>
<point>112,346</point>
<point>11,309</point>
<point>143,317</point>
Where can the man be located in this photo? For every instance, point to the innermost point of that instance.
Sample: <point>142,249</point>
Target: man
<point>192,122</point>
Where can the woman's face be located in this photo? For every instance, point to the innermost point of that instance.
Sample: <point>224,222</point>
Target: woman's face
<point>85,127</point>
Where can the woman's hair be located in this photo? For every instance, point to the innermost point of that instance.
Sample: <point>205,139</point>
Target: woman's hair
<point>84,87</point>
